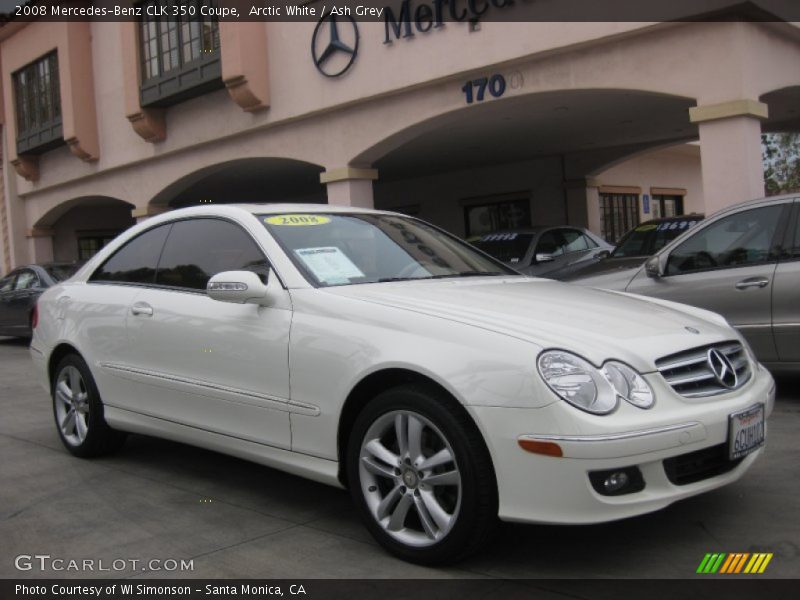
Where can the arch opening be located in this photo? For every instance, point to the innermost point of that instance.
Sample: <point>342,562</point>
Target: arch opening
<point>248,180</point>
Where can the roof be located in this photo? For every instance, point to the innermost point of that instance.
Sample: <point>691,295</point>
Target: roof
<point>303,208</point>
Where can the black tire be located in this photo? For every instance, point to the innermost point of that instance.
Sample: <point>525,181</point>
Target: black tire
<point>98,439</point>
<point>474,514</point>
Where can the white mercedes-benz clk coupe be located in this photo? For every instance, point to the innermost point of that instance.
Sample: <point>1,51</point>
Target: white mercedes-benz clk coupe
<point>370,350</point>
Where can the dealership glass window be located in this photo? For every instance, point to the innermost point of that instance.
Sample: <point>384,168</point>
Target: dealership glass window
<point>180,53</point>
<point>37,101</point>
<point>487,218</point>
<point>618,214</point>
<point>744,238</point>
<point>136,261</point>
<point>662,205</point>
<point>89,245</point>
<point>197,249</point>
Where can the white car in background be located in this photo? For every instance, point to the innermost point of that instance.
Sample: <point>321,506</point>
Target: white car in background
<point>373,351</point>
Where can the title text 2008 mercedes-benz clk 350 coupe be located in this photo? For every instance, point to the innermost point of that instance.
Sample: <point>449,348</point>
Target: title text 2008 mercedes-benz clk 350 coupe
<point>371,350</point>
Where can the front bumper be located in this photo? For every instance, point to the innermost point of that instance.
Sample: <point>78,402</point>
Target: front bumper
<point>546,489</point>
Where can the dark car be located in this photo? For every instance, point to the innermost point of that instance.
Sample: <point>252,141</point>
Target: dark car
<point>540,251</point>
<point>19,291</point>
<point>633,249</point>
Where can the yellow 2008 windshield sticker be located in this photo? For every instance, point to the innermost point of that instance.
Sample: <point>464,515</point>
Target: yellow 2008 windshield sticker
<point>297,220</point>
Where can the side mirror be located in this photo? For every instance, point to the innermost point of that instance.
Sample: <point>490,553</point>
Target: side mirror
<point>542,257</point>
<point>652,267</point>
<point>239,287</point>
<point>603,254</point>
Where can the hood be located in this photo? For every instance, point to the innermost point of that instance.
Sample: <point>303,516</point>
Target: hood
<point>607,267</point>
<point>596,324</point>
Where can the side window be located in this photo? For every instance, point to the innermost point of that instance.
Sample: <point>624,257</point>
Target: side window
<point>26,280</point>
<point>794,251</point>
<point>550,242</point>
<point>574,240</point>
<point>590,243</point>
<point>200,248</point>
<point>7,283</point>
<point>136,261</point>
<point>741,239</point>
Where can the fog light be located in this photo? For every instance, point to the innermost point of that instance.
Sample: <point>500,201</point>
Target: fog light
<point>616,482</point>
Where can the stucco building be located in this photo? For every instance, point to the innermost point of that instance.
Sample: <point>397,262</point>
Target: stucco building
<point>473,127</point>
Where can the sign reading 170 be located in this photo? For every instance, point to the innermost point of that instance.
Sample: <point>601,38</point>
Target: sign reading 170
<point>475,90</point>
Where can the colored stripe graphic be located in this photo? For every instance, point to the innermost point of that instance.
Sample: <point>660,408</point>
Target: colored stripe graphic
<point>734,563</point>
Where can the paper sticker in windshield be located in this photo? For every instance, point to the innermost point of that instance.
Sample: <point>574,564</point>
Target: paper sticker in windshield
<point>680,225</point>
<point>297,220</point>
<point>499,237</point>
<point>646,227</point>
<point>329,264</point>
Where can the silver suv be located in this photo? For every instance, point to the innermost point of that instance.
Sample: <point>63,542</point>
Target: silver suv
<point>744,263</point>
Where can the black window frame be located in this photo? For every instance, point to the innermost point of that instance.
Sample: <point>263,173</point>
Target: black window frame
<point>38,132</point>
<point>523,201</point>
<point>773,254</point>
<point>91,278</point>
<point>103,238</point>
<point>169,224</point>
<point>194,75</point>
<point>206,218</point>
<point>629,219</point>
<point>661,199</point>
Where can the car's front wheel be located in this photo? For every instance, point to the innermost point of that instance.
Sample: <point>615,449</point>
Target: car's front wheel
<point>421,476</point>
<point>78,411</point>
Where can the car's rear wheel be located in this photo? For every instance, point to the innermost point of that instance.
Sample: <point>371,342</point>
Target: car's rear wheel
<point>78,411</point>
<point>421,476</point>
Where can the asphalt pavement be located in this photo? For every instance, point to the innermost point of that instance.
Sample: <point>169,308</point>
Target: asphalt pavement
<point>163,501</point>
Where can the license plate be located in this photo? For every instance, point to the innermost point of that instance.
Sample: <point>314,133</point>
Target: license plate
<point>746,431</point>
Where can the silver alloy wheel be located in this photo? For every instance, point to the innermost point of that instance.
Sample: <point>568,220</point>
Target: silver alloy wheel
<point>72,405</point>
<point>410,478</point>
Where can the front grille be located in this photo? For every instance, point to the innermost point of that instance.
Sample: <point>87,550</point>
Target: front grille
<point>699,465</point>
<point>689,372</point>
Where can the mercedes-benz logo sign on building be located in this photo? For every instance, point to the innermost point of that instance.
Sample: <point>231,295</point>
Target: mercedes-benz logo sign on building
<point>334,45</point>
<point>722,369</point>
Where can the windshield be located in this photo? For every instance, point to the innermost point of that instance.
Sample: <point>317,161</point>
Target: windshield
<point>649,238</point>
<point>61,272</point>
<point>508,247</point>
<point>343,249</point>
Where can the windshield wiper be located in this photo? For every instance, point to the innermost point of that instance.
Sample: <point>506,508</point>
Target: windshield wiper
<point>470,274</point>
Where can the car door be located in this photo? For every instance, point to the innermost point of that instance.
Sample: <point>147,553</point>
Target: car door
<point>6,291</point>
<point>27,288</point>
<point>786,295</point>
<point>211,365</point>
<point>101,308</point>
<point>727,266</point>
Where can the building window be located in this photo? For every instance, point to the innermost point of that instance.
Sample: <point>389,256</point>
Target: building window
<point>487,218</point>
<point>618,214</point>
<point>180,55</point>
<point>89,245</point>
<point>38,106</point>
<point>666,206</point>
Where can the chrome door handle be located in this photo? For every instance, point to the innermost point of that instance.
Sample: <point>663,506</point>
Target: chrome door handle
<point>758,282</point>
<point>141,308</point>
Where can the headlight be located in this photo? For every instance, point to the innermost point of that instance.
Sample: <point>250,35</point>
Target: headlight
<point>628,384</point>
<point>578,382</point>
<point>594,390</point>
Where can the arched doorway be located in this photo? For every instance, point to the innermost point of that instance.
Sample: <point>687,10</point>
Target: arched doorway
<point>77,229</point>
<point>520,161</point>
<point>245,181</point>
